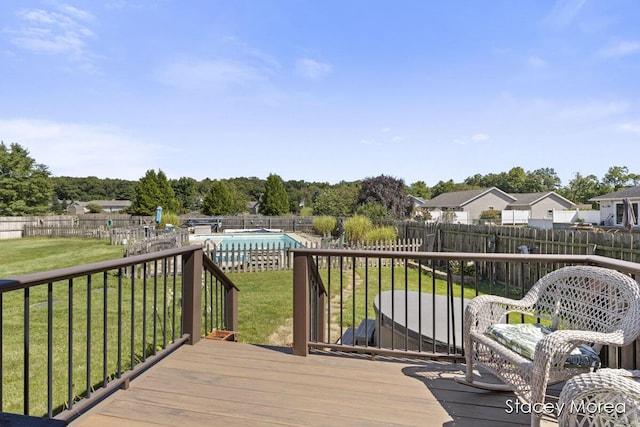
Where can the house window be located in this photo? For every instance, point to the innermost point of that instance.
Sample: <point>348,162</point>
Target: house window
<point>491,208</point>
<point>619,212</point>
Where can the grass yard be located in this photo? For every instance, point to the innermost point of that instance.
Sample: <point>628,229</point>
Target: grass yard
<point>31,255</point>
<point>102,293</point>
<point>265,302</point>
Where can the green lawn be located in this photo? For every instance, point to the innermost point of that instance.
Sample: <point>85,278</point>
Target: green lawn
<point>35,255</point>
<point>30,255</point>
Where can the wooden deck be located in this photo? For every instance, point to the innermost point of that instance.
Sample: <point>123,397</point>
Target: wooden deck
<point>227,383</point>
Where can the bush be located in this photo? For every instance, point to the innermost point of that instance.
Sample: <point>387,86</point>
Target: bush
<point>373,210</point>
<point>324,225</point>
<point>94,208</point>
<point>381,234</point>
<point>306,211</point>
<point>356,228</point>
<point>169,218</point>
<point>491,214</point>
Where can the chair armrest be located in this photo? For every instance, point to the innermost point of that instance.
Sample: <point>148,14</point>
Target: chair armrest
<point>554,348</point>
<point>486,310</point>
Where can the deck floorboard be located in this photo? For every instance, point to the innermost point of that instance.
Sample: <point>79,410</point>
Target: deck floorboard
<point>227,383</point>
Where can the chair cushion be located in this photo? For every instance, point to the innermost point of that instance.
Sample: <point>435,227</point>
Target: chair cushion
<point>523,337</point>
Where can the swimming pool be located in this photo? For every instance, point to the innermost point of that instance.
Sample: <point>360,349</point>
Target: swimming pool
<point>249,251</point>
<point>227,241</point>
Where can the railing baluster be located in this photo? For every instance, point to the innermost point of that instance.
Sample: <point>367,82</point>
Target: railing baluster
<point>155,306</point>
<point>132,343</point>
<point>89,315</point>
<point>50,349</point>
<point>165,303</point>
<point>26,352</point>
<point>144,312</point>
<point>119,368</point>
<point>70,392</point>
<point>105,311</point>
<point>1,351</point>
<point>175,297</point>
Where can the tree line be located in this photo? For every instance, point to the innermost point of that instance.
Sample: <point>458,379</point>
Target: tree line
<point>27,188</point>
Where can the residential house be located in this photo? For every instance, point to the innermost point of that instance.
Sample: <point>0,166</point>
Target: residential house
<point>540,205</point>
<point>108,206</point>
<point>611,205</point>
<point>472,202</point>
<point>418,209</point>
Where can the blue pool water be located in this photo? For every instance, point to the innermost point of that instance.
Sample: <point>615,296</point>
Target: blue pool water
<point>226,241</point>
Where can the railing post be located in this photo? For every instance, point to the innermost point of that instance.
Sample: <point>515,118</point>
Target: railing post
<point>191,311</point>
<point>300,305</point>
<point>231,309</point>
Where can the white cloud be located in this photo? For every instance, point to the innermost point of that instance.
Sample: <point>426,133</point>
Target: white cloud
<point>216,75</point>
<point>622,48</point>
<point>53,33</point>
<point>563,13</point>
<point>71,149</point>
<point>479,137</point>
<point>629,127</point>
<point>312,70</point>
<point>593,110</point>
<point>537,62</point>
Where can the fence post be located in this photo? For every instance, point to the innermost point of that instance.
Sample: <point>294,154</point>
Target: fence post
<point>300,305</point>
<point>191,312</point>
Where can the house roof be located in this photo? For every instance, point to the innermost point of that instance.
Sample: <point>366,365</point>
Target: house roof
<point>460,198</point>
<point>417,200</point>
<point>631,192</point>
<point>529,199</point>
<point>104,203</point>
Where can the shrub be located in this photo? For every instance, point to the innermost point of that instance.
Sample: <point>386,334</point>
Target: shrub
<point>381,234</point>
<point>94,208</point>
<point>306,211</point>
<point>169,218</point>
<point>491,214</point>
<point>356,228</point>
<point>373,210</point>
<point>324,225</point>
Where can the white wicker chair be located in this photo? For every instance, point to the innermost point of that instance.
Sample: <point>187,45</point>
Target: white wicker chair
<point>584,305</point>
<point>608,397</point>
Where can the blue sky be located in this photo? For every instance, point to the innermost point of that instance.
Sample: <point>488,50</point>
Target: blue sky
<point>324,90</point>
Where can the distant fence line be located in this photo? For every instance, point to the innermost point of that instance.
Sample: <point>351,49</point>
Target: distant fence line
<point>435,237</point>
<point>612,243</point>
<point>13,227</point>
<point>145,243</point>
<point>238,258</point>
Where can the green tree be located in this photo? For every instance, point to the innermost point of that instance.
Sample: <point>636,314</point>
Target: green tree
<point>420,189</point>
<point>153,190</point>
<point>618,178</point>
<point>275,200</point>
<point>328,202</point>
<point>582,188</point>
<point>25,186</point>
<point>218,200</point>
<point>186,193</point>
<point>372,210</point>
